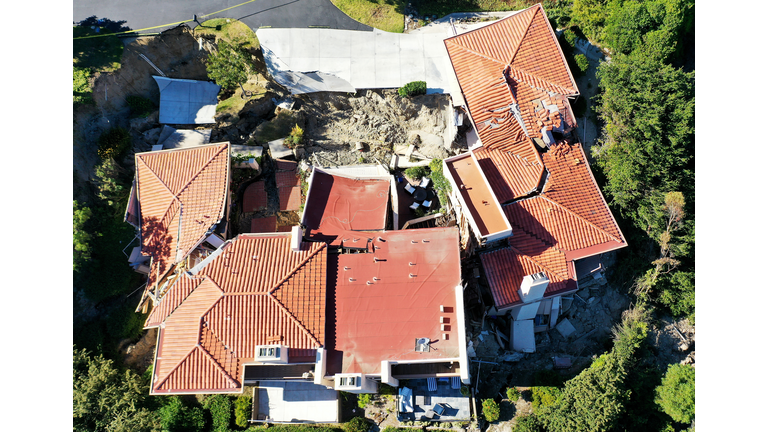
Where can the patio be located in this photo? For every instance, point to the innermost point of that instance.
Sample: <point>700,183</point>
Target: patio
<point>426,404</point>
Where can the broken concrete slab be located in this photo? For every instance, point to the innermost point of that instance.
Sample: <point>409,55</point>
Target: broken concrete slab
<point>565,328</point>
<point>172,138</point>
<point>523,339</point>
<point>278,150</point>
<point>246,150</point>
<point>185,101</point>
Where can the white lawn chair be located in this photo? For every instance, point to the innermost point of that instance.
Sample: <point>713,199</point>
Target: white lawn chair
<point>424,182</point>
<point>414,206</point>
<point>427,204</point>
<point>410,188</point>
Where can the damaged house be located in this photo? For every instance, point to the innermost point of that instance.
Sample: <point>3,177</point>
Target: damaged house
<point>525,190</point>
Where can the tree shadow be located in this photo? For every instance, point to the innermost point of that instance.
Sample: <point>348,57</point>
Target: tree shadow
<point>101,52</point>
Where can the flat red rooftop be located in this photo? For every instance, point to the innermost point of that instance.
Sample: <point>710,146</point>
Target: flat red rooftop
<point>386,299</point>
<point>337,203</point>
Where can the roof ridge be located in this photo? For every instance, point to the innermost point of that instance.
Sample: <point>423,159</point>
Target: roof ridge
<point>298,266</point>
<point>220,341</point>
<point>479,54</point>
<point>174,368</point>
<point>563,91</point>
<point>572,213</point>
<point>529,258</point>
<point>527,28</point>
<point>295,320</point>
<point>216,363</point>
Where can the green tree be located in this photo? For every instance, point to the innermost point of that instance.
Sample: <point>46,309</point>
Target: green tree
<point>229,66</point>
<point>543,396</point>
<point>114,143</point>
<point>81,238</point>
<point>590,16</point>
<point>491,410</point>
<point>676,395</point>
<point>112,184</point>
<point>528,423</point>
<point>243,410</point>
<point>175,416</point>
<point>220,408</point>
<point>595,399</point>
<point>106,399</point>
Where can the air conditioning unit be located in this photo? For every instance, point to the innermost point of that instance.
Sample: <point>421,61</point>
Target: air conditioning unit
<point>422,344</point>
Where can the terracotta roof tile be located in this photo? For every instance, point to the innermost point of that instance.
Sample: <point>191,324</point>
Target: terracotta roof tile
<point>181,196</point>
<point>264,225</point>
<point>513,172</point>
<point>264,298</point>
<point>255,197</point>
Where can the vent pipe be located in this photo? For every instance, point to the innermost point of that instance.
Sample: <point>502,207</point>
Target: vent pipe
<point>296,234</point>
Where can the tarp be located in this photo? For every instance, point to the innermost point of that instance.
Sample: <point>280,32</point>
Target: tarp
<point>186,101</point>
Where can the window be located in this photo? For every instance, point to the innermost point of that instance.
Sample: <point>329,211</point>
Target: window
<point>271,352</point>
<point>349,382</point>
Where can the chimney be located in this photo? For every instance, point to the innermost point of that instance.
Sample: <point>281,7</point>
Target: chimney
<point>296,234</point>
<point>533,286</point>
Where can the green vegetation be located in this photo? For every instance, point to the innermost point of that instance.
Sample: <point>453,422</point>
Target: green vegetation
<point>363,400</point>
<point>141,107</point>
<point>295,138</point>
<point>465,391</point>
<point>294,428</point>
<point>175,415</point>
<point>595,399</point>
<point>544,396</point>
<point>677,393</point>
<point>528,423</point>
<point>416,173</point>
<point>231,31</point>
<point>113,185</point>
<point>114,143</point>
<point>384,15</point>
<point>243,410</point>
<point>82,94</point>
<point>439,183</point>
<point>80,236</point>
<point>279,127</point>
<point>513,394</point>
<point>582,62</point>
<point>220,407</point>
<point>491,410</point>
<point>105,398</point>
<point>357,424</point>
<point>229,65</point>
<point>413,88</point>
<point>235,103</point>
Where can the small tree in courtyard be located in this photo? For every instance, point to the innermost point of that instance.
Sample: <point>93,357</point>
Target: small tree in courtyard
<point>228,66</point>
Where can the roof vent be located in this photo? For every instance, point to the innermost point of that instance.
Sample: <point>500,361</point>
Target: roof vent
<point>296,235</point>
<point>422,344</point>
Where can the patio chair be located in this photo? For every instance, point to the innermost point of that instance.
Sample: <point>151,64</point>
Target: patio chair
<point>431,384</point>
<point>440,408</point>
<point>414,206</point>
<point>410,188</point>
<point>455,383</point>
<point>427,204</point>
<point>424,182</point>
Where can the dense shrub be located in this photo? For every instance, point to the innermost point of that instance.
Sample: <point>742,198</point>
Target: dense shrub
<point>413,88</point>
<point>416,173</point>
<point>228,66</point>
<point>357,424</point>
<point>363,400</point>
<point>465,391</point>
<point>220,408</point>
<point>528,423</point>
<point>491,410</point>
<point>140,106</point>
<point>513,394</point>
<point>81,238</point>
<point>81,90</point>
<point>295,137</point>
<point>676,395</point>
<point>243,410</point>
<point>175,416</point>
<point>582,62</point>
<point>544,396</point>
<point>114,143</point>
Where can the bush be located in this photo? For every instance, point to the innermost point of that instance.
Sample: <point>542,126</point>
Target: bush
<point>295,137</point>
<point>491,410</point>
<point>465,391</point>
<point>220,408</point>
<point>357,424</point>
<point>81,90</point>
<point>140,106</point>
<point>114,143</point>
<point>363,400</point>
<point>513,394</point>
<point>582,62</point>
<point>544,396</point>
<point>416,173</point>
<point>528,423</point>
<point>174,416</point>
<point>113,185</point>
<point>676,395</point>
<point>243,410</point>
<point>413,88</point>
<point>570,37</point>
<point>386,389</point>
<point>81,238</point>
<point>228,66</point>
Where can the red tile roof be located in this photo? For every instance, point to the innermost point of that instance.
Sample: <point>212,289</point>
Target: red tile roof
<point>255,197</point>
<point>264,225</point>
<point>336,203</point>
<point>182,194</point>
<point>380,309</point>
<point>510,62</point>
<point>514,171</point>
<point>254,292</point>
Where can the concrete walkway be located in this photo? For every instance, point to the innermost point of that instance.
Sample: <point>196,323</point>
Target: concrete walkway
<point>138,14</point>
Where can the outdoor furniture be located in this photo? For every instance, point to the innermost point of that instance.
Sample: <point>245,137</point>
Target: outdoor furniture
<point>420,194</point>
<point>424,182</point>
<point>410,188</point>
<point>455,383</point>
<point>431,384</point>
<point>429,415</point>
<point>427,204</point>
<point>440,408</point>
<point>414,206</point>
<point>406,400</point>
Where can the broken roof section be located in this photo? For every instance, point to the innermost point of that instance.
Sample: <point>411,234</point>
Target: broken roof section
<point>407,287</point>
<point>474,192</point>
<point>185,101</point>
<point>312,60</point>
<point>180,198</point>
<point>514,78</point>
<point>338,203</point>
<point>569,220</point>
<point>254,290</point>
